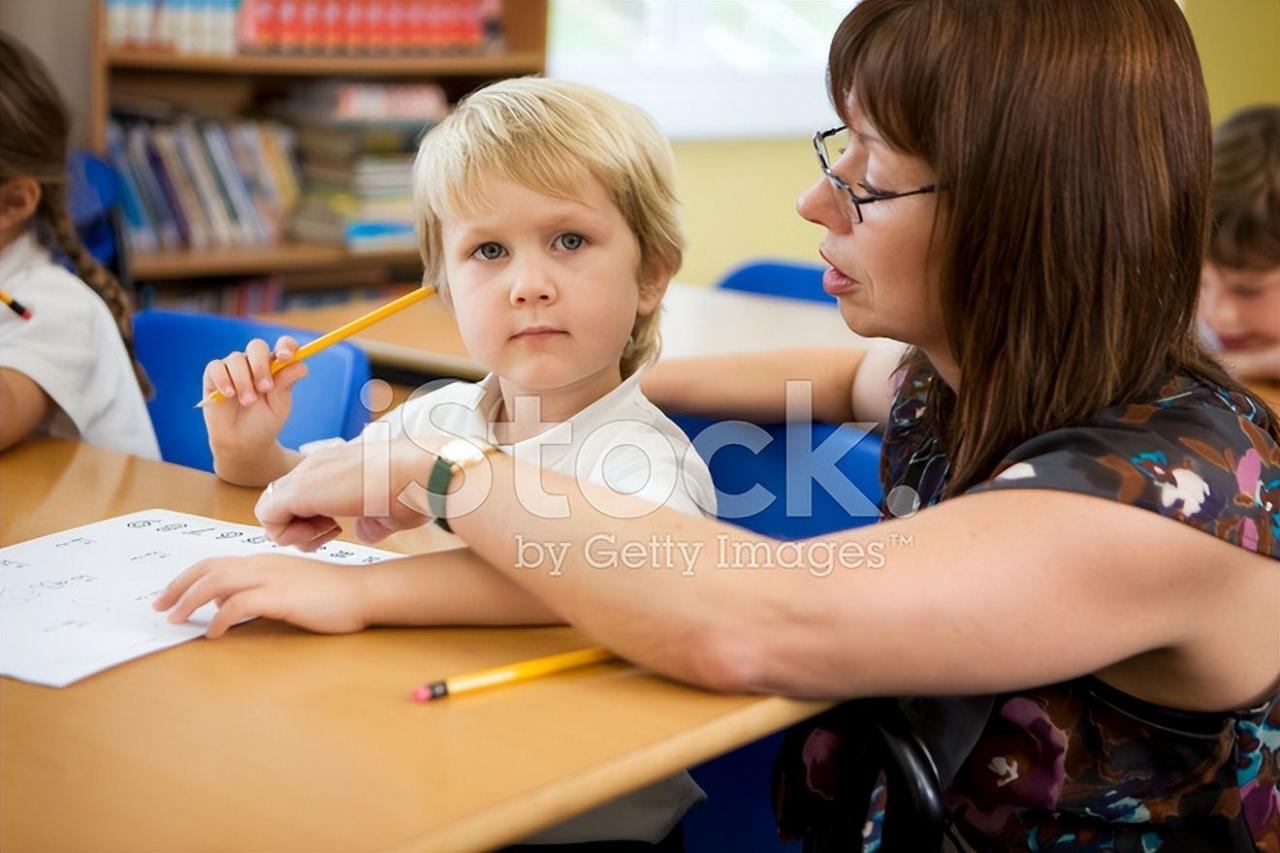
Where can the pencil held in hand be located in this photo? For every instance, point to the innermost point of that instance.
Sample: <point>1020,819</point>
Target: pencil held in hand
<point>341,333</point>
<point>18,308</point>
<point>510,673</point>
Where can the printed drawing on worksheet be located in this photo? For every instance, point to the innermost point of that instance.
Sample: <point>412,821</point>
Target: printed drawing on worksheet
<point>77,602</point>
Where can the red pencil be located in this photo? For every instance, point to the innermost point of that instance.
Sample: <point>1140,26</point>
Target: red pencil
<point>24,313</point>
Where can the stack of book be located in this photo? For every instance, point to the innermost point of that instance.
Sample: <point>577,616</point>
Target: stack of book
<point>357,143</point>
<point>202,184</point>
<point>309,27</point>
<point>183,26</point>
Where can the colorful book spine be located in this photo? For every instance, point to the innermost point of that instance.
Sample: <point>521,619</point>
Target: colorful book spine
<point>139,230</point>
<point>174,173</point>
<point>204,184</point>
<point>233,183</point>
<point>304,27</point>
<point>159,203</point>
<point>210,200</point>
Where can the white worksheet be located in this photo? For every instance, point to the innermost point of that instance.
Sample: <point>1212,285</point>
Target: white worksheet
<point>77,602</point>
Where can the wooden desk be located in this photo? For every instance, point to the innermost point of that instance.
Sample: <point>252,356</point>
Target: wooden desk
<point>695,321</point>
<point>275,739</point>
<point>1268,391</point>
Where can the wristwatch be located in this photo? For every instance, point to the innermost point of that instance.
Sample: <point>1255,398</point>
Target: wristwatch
<point>456,456</point>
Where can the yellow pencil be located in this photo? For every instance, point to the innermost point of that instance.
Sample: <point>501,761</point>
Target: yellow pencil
<point>341,333</point>
<point>521,671</point>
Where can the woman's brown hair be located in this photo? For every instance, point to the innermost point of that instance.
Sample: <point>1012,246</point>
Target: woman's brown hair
<point>1071,144</point>
<point>34,129</point>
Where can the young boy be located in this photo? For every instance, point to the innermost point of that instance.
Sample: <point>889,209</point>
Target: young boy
<point>547,220</point>
<point>1240,282</point>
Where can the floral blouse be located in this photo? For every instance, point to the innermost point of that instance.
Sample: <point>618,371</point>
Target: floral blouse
<point>1081,766</point>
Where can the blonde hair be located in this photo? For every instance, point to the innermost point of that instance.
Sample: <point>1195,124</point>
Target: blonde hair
<point>549,136</point>
<point>33,143</point>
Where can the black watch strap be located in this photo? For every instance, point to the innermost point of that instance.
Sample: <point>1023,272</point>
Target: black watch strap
<point>442,471</point>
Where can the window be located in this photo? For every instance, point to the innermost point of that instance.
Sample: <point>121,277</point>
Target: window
<point>704,68</point>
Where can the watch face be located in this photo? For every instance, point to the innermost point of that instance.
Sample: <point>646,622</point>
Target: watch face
<point>461,452</point>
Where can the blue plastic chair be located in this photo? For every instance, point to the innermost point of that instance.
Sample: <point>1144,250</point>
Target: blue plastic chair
<point>93,191</point>
<point>779,278</point>
<point>750,462</point>
<point>175,347</point>
<point>738,813</point>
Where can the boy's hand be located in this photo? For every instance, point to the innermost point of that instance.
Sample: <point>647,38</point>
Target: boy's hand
<point>246,424</point>
<point>311,594</point>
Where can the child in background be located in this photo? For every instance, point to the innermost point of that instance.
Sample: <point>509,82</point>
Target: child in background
<point>67,370</point>
<point>548,220</point>
<point>1240,282</point>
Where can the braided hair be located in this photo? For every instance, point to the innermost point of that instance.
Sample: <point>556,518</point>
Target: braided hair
<point>34,128</point>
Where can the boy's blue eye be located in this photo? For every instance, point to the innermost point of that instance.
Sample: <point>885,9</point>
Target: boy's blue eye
<point>489,251</point>
<point>571,242</point>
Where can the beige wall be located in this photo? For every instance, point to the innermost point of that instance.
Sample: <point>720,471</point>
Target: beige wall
<point>58,32</point>
<point>739,197</point>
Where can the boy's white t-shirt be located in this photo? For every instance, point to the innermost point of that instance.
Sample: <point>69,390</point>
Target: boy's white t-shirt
<point>626,442</point>
<point>71,347</point>
<point>621,440</point>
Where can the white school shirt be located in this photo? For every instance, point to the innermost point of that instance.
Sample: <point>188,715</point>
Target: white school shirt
<point>621,440</point>
<point>71,347</point>
<point>626,442</point>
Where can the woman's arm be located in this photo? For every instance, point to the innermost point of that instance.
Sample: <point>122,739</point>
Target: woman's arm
<point>752,386</point>
<point>23,405</point>
<point>983,593</point>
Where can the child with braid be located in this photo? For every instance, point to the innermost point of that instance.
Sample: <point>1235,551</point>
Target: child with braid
<point>68,369</point>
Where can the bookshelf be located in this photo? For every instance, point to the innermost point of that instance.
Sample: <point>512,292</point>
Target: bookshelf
<point>283,258</point>
<point>507,64</point>
<point>232,84</point>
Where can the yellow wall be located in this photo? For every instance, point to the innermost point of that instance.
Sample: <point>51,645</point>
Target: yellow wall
<point>739,197</point>
<point>1239,44</point>
<point>739,203</point>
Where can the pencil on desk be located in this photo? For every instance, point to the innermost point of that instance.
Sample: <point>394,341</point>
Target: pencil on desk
<point>510,673</point>
<point>341,333</point>
<point>18,308</point>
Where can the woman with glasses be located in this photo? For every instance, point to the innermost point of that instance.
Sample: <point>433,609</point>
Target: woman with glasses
<point>1019,193</point>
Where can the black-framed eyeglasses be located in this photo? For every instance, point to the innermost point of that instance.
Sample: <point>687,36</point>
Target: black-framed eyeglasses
<point>831,145</point>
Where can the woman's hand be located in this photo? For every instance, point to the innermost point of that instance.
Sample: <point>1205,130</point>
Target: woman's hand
<point>382,484</point>
<point>311,594</point>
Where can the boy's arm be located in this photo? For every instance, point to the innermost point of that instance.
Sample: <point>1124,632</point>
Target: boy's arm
<point>443,588</point>
<point>752,386</point>
<point>23,405</point>
<point>448,588</point>
<point>257,469</point>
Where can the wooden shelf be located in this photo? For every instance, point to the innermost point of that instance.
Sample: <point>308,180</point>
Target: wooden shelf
<point>263,260</point>
<point>238,84</point>
<point>461,64</point>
